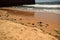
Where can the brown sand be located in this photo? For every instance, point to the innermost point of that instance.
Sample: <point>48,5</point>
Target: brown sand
<point>14,31</point>
<point>50,21</point>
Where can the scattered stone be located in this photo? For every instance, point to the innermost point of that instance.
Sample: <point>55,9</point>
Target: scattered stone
<point>34,29</point>
<point>0,15</point>
<point>20,19</point>
<point>22,23</point>
<point>28,23</point>
<point>47,25</point>
<point>33,24</point>
<point>49,33</point>
<point>40,24</point>
<point>42,30</point>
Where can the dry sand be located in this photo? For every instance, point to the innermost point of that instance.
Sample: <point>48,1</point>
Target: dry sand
<point>14,31</point>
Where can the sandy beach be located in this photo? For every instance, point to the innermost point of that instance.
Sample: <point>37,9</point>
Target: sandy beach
<point>46,21</point>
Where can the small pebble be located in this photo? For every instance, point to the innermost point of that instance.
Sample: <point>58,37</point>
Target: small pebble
<point>49,33</point>
<point>28,23</point>
<point>40,24</point>
<point>14,19</point>
<point>20,19</point>
<point>47,25</point>
<point>35,29</point>
<point>57,37</point>
<point>42,30</point>
<point>22,23</point>
<point>32,23</point>
<point>0,15</point>
<point>21,29</point>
